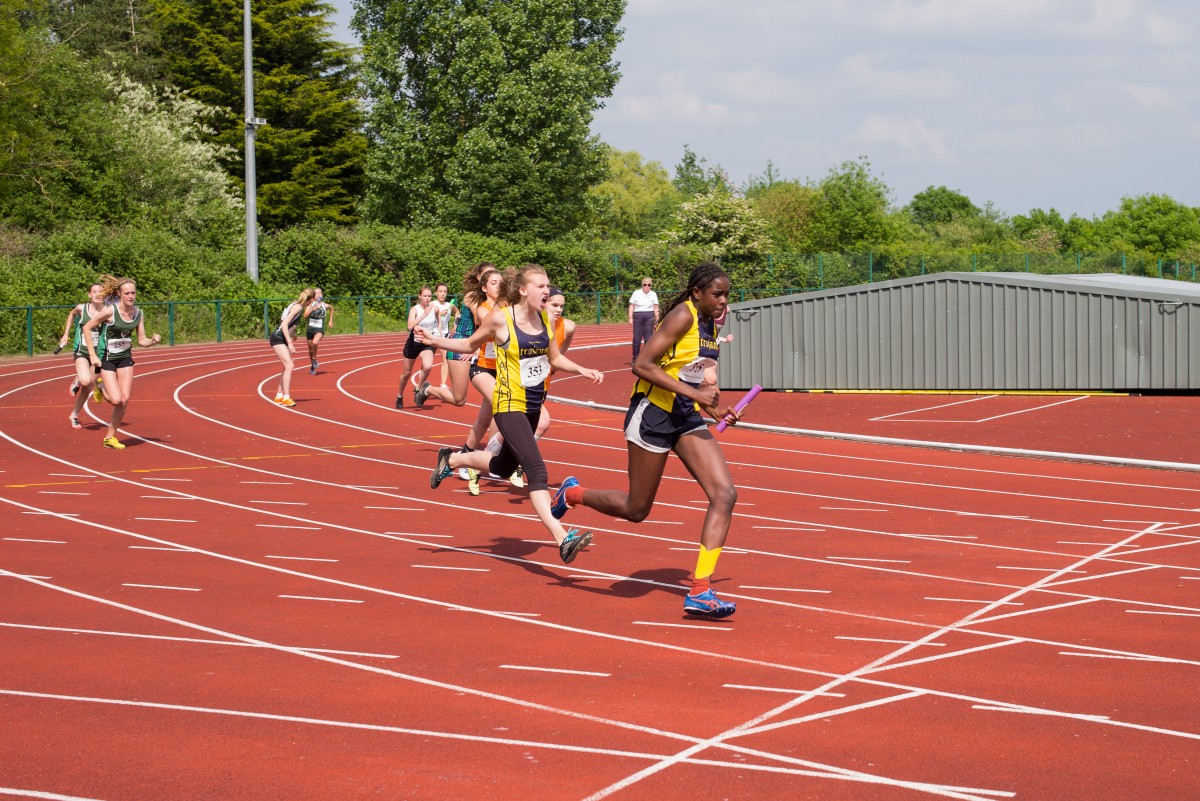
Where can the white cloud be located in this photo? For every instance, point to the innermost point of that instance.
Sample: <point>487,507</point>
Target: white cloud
<point>673,100</point>
<point>908,133</point>
<point>865,70</point>
<point>1150,98</point>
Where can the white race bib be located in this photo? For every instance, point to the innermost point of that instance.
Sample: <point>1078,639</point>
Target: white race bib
<point>119,345</point>
<point>534,371</point>
<point>489,350</point>
<point>316,323</point>
<point>95,332</point>
<point>694,372</point>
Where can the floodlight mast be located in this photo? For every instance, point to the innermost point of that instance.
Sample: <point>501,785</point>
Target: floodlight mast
<point>252,124</point>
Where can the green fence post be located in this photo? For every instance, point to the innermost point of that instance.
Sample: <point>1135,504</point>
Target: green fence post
<point>29,329</point>
<point>171,322</point>
<point>1124,266</point>
<point>821,270</point>
<point>266,317</point>
<point>922,265</point>
<point>870,268</point>
<point>974,257</point>
<point>597,294</point>
<point>1078,262</point>
<point>360,315</point>
<point>1160,266</point>
<point>616,273</point>
<point>218,321</point>
<point>1026,262</point>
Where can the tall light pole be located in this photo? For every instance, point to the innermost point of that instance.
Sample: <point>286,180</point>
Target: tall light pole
<point>252,124</point>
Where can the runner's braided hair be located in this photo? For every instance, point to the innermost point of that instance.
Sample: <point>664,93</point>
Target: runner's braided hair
<point>702,275</point>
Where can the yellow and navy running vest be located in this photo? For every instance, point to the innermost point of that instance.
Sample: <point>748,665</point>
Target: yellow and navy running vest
<point>685,360</point>
<point>522,366</point>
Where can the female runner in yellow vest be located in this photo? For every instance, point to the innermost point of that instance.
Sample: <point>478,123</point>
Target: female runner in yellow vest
<point>525,352</point>
<point>663,416</point>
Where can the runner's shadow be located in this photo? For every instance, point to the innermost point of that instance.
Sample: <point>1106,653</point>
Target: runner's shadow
<point>638,584</point>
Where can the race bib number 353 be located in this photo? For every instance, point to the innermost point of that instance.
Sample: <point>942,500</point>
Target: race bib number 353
<point>534,371</point>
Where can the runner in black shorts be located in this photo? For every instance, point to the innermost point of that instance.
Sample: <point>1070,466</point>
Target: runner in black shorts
<point>282,341</point>
<point>424,316</point>
<point>123,324</point>
<point>87,378</point>
<point>664,415</point>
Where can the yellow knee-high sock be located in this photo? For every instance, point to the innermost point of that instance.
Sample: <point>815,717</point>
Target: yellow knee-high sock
<point>706,565</point>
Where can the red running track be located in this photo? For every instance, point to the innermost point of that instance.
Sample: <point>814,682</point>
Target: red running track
<point>255,602</point>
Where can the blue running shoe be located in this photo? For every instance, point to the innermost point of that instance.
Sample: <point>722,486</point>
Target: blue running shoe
<point>559,507</point>
<point>442,469</point>
<point>709,605</point>
<point>573,544</point>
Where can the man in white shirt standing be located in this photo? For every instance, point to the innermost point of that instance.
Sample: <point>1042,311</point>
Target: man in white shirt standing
<point>643,315</point>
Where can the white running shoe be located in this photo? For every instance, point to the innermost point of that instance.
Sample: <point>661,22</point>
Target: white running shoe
<point>462,473</point>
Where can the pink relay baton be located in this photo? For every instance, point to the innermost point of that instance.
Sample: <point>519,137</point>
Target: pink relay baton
<point>742,404</point>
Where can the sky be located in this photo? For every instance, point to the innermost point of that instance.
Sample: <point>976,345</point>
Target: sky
<point>1065,104</point>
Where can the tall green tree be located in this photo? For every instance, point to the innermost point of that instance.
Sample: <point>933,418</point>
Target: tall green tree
<point>481,110</point>
<point>724,225</point>
<point>118,34</point>
<point>850,211</point>
<point>311,154</point>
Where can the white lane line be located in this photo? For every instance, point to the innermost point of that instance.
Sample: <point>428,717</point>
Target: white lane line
<point>168,498</point>
<point>315,598</point>
<point>370,486</point>
<point>692,626</point>
<point>447,567</point>
<point>947,536</point>
<point>1102,544</point>
<point>1190,578</point>
<point>25,576</point>
<point>1030,409</point>
<point>301,558</point>
<point>893,642</point>
<point>1029,711</point>
<point>556,670</point>
<point>780,589</point>
<point>1117,656</point>
<point>55,514</point>
<point>864,559</point>
<point>849,509</point>
<point>785,528</point>
<point>1145,522</point>
<point>277,483</point>
<point>494,612</point>
<point>69,475</point>
<point>159,548</point>
<point>194,640</point>
<point>151,478</point>
<point>977,601</point>
<point>43,795</point>
<point>1153,612</point>
<point>278,525</point>
<point>282,503</point>
<point>165,520</point>
<point>24,539</point>
<point>162,587</point>
<point>662,522</point>
<point>408,534</point>
<point>1037,569</point>
<point>931,408</point>
<point>397,508</point>
<point>61,492</point>
<point>783,690</point>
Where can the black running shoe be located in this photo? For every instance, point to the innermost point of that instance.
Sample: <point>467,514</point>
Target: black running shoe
<point>421,393</point>
<point>399,402</point>
<point>442,469</point>
<point>573,544</point>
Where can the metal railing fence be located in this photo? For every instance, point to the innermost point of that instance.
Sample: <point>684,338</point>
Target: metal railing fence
<point>36,329</point>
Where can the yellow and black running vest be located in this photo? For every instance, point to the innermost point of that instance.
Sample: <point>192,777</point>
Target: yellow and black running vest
<point>522,366</point>
<point>686,360</point>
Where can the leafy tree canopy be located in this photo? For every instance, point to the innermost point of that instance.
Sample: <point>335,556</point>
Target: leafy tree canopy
<point>937,204</point>
<point>310,155</point>
<point>637,198</point>
<point>724,225</point>
<point>481,111</point>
